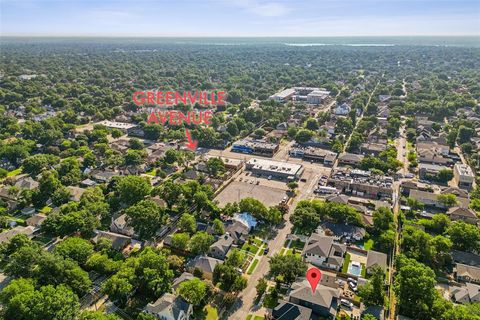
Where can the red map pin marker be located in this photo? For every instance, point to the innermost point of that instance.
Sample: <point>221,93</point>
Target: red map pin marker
<point>313,276</point>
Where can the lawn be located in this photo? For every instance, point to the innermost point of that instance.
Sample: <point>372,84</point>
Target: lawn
<point>364,271</point>
<point>282,251</point>
<point>346,262</point>
<point>297,244</point>
<point>367,245</point>
<point>45,209</point>
<point>259,318</point>
<point>14,172</point>
<point>212,313</point>
<point>252,266</point>
<point>152,172</point>
<point>297,253</point>
<point>252,248</point>
<point>249,317</point>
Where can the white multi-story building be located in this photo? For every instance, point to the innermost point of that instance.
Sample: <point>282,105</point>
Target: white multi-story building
<point>463,176</point>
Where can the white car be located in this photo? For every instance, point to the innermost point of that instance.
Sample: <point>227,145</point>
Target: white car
<point>346,303</point>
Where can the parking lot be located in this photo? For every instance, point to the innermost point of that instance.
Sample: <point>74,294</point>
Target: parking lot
<point>264,192</point>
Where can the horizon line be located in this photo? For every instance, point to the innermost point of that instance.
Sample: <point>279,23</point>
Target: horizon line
<point>224,36</point>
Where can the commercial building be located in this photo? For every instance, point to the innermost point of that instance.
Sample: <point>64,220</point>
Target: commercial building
<point>258,147</point>
<point>463,176</point>
<point>362,183</point>
<point>275,169</point>
<point>314,154</point>
<point>309,94</point>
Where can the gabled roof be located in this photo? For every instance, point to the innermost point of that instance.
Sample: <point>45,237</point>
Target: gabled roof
<point>204,263</point>
<point>26,183</point>
<point>466,258</point>
<point>456,191</point>
<point>290,311</point>
<point>118,240</point>
<point>318,245</point>
<point>464,212</point>
<point>223,243</point>
<point>168,304</point>
<point>471,272</point>
<point>376,258</point>
<point>183,277</point>
<point>342,199</point>
<point>324,296</point>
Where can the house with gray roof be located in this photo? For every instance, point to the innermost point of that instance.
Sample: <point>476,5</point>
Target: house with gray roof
<point>8,235</point>
<point>220,248</point>
<point>466,294</point>
<point>170,307</point>
<point>340,231</point>
<point>463,214</point>
<point>323,252</point>
<point>290,311</point>
<point>323,302</point>
<point>237,230</point>
<point>467,273</point>
<point>376,259</point>
<point>119,241</point>
<point>204,264</point>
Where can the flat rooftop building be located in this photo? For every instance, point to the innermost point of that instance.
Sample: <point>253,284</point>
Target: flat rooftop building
<point>259,147</point>
<point>463,176</point>
<point>117,125</point>
<point>277,169</point>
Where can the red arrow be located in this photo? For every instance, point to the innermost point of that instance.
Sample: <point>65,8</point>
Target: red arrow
<point>192,144</point>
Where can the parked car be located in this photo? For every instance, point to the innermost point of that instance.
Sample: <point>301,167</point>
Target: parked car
<point>266,250</point>
<point>346,303</point>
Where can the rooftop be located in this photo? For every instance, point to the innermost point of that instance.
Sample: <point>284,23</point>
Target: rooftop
<point>274,166</point>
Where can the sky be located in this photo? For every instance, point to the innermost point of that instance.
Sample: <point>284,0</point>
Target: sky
<point>258,18</point>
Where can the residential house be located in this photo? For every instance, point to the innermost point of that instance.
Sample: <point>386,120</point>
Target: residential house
<point>322,251</point>
<point>220,248</point>
<point>204,264</point>
<point>352,159</point>
<point>290,311</point>
<point>36,220</point>
<point>347,231</point>
<point>342,109</point>
<point>119,225</point>
<point>6,236</point>
<point>428,171</point>
<point>467,273</point>
<point>119,241</point>
<point>323,302</point>
<point>183,277</point>
<point>469,293</point>
<point>372,148</point>
<point>431,199</point>
<point>463,214</point>
<point>170,307</point>
<point>376,259</point>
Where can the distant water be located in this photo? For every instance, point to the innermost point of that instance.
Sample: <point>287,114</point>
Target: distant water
<point>445,41</point>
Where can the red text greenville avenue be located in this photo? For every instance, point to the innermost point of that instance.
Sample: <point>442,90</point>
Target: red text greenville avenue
<point>170,98</point>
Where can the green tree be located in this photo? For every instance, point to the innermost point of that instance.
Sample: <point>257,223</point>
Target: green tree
<point>97,315</point>
<point>218,227</point>
<point>200,242</point>
<point>145,218</point>
<point>181,240</point>
<point>132,189</point>
<point>415,288</point>
<point>464,236</point>
<point>187,223</point>
<point>215,166</point>
<point>75,248</point>
<point>305,220</point>
<point>261,287</point>
<point>373,292</point>
<point>286,268</point>
<point>448,200</point>
<point>193,291</point>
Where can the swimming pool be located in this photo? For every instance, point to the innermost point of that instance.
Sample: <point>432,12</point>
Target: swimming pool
<point>355,268</point>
